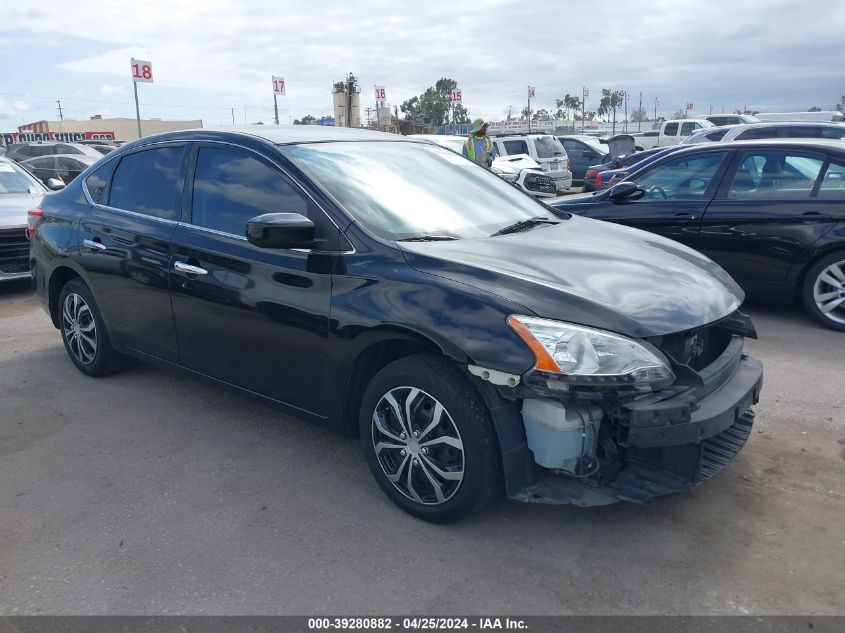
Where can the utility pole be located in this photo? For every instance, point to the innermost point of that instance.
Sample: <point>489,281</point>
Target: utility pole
<point>233,116</point>
<point>61,116</point>
<point>137,108</point>
<point>656,103</point>
<point>640,112</point>
<point>584,94</point>
<point>529,109</point>
<point>626,111</point>
<point>276,107</point>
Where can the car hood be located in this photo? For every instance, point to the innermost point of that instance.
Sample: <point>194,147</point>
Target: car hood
<point>13,208</point>
<point>592,273</point>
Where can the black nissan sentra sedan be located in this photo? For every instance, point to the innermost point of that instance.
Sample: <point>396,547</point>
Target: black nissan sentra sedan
<point>386,288</point>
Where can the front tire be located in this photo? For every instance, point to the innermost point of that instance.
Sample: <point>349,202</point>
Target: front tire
<point>428,439</point>
<point>824,291</point>
<point>84,333</point>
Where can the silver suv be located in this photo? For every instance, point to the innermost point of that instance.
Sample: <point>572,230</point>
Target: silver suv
<point>543,148</point>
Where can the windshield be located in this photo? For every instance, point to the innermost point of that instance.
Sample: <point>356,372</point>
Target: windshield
<point>548,147</point>
<point>15,180</point>
<point>402,189</point>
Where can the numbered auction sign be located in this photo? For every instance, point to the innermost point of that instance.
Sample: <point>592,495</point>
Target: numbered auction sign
<point>381,93</point>
<point>142,71</point>
<point>279,86</point>
<point>457,96</point>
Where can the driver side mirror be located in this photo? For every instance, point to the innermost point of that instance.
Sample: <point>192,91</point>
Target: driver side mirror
<point>280,230</point>
<point>54,184</point>
<point>625,192</point>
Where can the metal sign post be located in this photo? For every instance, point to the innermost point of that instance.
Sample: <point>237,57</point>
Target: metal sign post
<point>585,92</point>
<point>279,88</point>
<point>457,97</point>
<point>530,94</point>
<point>141,72</point>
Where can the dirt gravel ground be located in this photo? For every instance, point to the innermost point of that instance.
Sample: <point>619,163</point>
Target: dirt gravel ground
<point>151,492</point>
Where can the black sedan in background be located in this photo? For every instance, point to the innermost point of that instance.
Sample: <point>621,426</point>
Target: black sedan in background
<point>771,213</point>
<point>590,177</point>
<point>388,289</point>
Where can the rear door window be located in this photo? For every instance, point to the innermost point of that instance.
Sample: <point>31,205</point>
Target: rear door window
<point>671,129</point>
<point>775,175</point>
<point>689,127</point>
<point>149,182</point>
<point>753,133</point>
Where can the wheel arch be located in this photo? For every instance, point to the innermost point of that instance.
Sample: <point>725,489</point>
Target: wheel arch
<point>59,276</point>
<point>384,347</point>
<point>831,249</point>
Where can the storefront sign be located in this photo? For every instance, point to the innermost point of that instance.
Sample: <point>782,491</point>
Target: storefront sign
<point>68,137</point>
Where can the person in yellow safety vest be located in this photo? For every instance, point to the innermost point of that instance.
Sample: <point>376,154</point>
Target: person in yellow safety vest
<point>479,147</point>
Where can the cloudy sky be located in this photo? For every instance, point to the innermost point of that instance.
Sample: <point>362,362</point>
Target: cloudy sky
<point>213,55</point>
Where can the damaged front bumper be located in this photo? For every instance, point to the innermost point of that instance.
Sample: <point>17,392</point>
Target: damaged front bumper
<point>657,444</point>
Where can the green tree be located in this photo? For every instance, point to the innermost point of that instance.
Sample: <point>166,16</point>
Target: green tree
<point>568,107</point>
<point>540,114</point>
<point>680,114</point>
<point>306,120</point>
<point>434,106</point>
<point>639,115</point>
<point>815,109</point>
<point>611,101</point>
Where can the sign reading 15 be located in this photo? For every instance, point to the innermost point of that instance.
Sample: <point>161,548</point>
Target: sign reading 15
<point>142,71</point>
<point>457,95</point>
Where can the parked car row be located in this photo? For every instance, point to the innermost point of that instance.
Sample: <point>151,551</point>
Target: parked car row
<point>771,213</point>
<point>19,191</point>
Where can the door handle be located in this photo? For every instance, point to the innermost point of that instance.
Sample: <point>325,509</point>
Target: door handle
<point>684,217</point>
<point>815,216</point>
<point>94,245</point>
<point>188,269</point>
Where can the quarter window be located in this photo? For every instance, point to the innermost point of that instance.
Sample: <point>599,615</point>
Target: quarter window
<point>515,147</point>
<point>96,182</point>
<point>149,182</point>
<point>775,175</point>
<point>671,129</point>
<point>231,188</point>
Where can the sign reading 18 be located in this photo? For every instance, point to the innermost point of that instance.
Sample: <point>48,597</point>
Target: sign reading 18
<point>142,71</point>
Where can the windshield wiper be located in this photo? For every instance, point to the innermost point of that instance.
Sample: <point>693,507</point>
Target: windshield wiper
<point>524,225</point>
<point>428,238</point>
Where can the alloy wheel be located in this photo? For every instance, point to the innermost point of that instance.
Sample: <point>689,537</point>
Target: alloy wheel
<point>829,292</point>
<point>418,445</point>
<point>79,328</point>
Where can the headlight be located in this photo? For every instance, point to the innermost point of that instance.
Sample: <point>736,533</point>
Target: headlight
<point>585,356</point>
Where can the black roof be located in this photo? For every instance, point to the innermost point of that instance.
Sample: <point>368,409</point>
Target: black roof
<point>285,134</point>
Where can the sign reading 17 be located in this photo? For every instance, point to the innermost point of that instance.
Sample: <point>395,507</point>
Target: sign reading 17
<point>142,71</point>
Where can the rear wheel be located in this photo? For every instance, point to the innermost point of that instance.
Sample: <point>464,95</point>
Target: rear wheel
<point>824,291</point>
<point>428,439</point>
<point>84,333</point>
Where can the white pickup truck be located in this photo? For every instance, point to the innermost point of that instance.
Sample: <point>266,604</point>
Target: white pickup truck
<point>671,133</point>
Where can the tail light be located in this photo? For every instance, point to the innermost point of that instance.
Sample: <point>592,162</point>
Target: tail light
<point>591,173</point>
<point>567,165</point>
<point>598,180</point>
<point>32,217</point>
